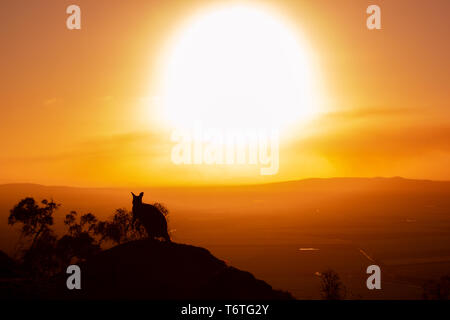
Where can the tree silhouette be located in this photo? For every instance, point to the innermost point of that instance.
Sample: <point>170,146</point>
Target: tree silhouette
<point>47,254</point>
<point>331,287</point>
<point>79,242</point>
<point>39,259</point>
<point>36,221</point>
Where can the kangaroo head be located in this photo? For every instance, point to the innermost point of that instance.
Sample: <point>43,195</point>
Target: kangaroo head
<point>137,200</point>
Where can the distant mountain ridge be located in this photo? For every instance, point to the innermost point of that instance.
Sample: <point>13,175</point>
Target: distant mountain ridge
<point>287,182</point>
<point>308,182</point>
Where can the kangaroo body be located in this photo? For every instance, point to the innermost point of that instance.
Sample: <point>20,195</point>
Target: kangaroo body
<point>152,219</point>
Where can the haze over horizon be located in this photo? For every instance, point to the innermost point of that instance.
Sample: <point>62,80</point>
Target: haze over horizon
<point>218,185</point>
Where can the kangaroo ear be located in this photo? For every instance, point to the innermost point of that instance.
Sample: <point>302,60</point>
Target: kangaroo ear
<point>133,194</point>
<point>141,194</point>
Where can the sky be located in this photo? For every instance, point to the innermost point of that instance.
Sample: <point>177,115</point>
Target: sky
<point>79,107</point>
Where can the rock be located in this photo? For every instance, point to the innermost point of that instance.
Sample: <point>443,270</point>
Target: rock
<point>150,269</point>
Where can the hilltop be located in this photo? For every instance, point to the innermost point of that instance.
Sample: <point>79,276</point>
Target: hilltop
<point>150,269</point>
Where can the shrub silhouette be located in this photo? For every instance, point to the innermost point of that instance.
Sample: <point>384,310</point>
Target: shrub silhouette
<point>122,228</point>
<point>437,289</point>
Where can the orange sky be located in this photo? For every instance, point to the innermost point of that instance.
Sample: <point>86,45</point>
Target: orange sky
<point>76,106</point>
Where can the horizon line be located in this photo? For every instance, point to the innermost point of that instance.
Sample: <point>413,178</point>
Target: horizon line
<point>220,185</point>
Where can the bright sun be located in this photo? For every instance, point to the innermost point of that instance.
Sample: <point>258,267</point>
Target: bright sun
<point>238,67</point>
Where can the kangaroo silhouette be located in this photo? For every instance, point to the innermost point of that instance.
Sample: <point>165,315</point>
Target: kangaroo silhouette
<point>151,218</point>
